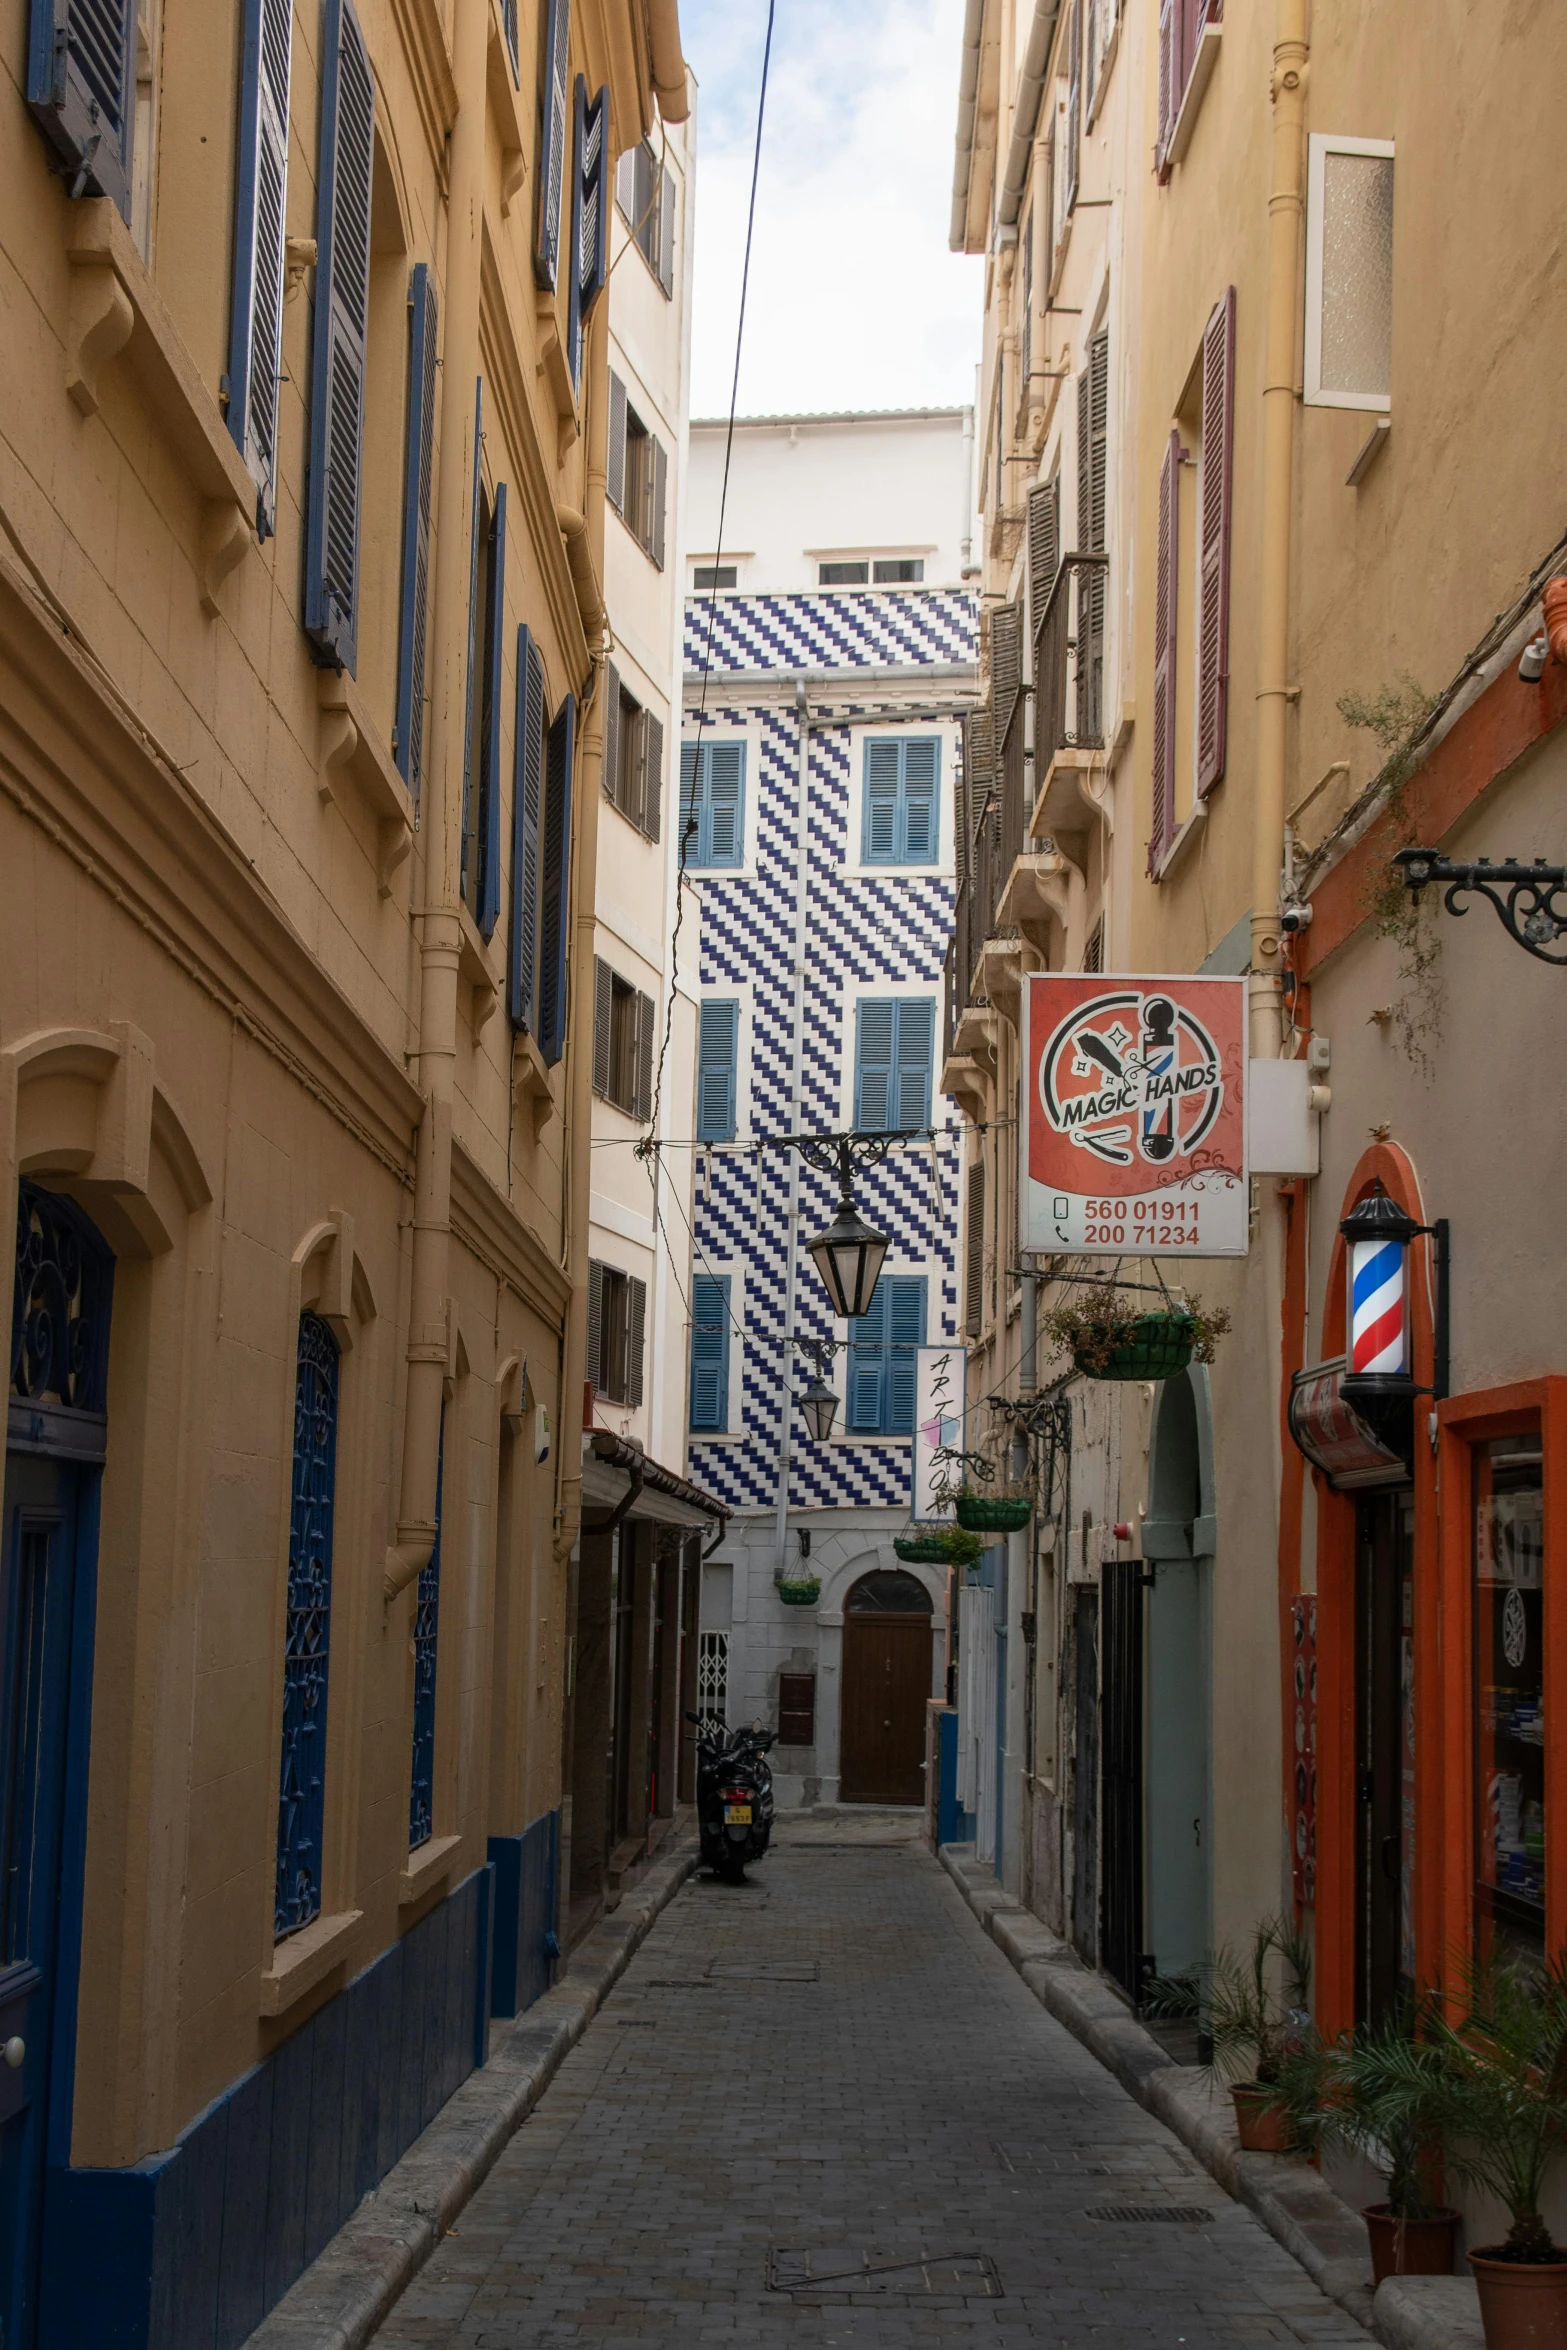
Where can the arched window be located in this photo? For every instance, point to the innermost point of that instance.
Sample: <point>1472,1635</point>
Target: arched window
<point>887,1591</point>
<point>427,1625</point>
<point>302,1789</point>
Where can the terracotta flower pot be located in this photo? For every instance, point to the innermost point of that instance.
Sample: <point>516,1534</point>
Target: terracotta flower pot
<point>1263,2129</point>
<point>1523,2303</point>
<point>1410,2247</point>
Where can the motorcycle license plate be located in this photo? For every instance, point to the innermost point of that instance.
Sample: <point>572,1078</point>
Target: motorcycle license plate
<point>737,1815</point>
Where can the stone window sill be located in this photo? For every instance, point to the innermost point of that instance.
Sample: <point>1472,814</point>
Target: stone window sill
<point>116,309</point>
<point>1180,841</point>
<point>301,1962</point>
<point>430,1865</point>
<point>351,757</point>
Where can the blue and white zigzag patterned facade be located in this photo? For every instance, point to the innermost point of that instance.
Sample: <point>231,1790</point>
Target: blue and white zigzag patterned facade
<point>868,933</point>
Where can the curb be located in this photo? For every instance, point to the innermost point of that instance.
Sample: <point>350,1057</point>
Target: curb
<point>348,2289</point>
<point>1294,2204</point>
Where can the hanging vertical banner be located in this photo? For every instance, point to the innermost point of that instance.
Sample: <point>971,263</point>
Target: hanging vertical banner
<point>938,1423</point>
<point>1135,1117</point>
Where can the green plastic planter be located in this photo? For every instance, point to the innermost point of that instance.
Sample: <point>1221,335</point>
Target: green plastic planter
<point>994,1513</point>
<point>1159,1347</point>
<point>921,1550</point>
<point>800,1594</point>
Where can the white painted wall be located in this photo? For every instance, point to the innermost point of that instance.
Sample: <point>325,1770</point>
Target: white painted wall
<point>804,489</point>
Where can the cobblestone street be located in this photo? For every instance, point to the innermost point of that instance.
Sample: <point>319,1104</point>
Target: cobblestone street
<point>822,2109</point>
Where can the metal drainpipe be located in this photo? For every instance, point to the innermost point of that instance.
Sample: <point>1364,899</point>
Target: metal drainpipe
<point>440,931</point>
<point>582,548</point>
<point>802,711</point>
<point>1265,998</point>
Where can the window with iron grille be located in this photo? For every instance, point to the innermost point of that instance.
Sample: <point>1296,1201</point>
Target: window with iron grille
<point>712,1676</point>
<point>302,1788</point>
<point>617,1327</point>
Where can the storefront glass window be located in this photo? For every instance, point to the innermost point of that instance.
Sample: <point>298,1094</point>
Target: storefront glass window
<point>1509,1693</point>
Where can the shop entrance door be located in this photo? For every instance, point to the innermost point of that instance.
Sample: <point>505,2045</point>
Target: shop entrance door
<point>1121,1766</point>
<point>1384,1751</point>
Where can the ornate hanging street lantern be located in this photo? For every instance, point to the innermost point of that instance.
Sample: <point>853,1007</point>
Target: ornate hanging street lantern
<point>818,1408</point>
<point>848,1255</point>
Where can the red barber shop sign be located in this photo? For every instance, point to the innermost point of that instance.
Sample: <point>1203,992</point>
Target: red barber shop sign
<point>1134,1138</point>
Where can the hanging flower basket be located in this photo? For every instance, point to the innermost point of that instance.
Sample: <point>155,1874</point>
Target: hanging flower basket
<point>994,1513</point>
<point>800,1594</point>
<point>1108,1338</point>
<point>938,1546</point>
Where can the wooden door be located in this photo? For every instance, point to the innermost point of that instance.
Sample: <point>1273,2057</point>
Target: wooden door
<point>886,1682</point>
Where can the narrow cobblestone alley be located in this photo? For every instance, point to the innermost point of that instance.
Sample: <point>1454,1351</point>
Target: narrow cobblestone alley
<point>822,2109</point>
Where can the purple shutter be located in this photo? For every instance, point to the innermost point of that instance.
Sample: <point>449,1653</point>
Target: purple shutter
<point>1169,87</point>
<point>1213,538</point>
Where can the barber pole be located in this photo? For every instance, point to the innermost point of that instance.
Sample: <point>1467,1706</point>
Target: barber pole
<point>1378,1317</point>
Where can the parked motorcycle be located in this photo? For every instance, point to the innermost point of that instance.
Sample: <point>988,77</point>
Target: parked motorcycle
<point>734,1795</point>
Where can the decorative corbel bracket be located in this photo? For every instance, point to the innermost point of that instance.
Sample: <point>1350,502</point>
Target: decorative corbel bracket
<point>352,762</point>
<point>475,973</point>
<point>531,1083</point>
<point>555,373</point>
<point>101,319</point>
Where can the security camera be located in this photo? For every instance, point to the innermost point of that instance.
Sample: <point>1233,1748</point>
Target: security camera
<point>1295,917</point>
<point>1531,661</point>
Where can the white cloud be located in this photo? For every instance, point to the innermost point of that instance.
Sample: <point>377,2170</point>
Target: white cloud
<point>855,300</point>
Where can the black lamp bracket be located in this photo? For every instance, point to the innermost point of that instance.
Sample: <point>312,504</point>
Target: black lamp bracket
<point>1530,900</point>
<point>843,1155</point>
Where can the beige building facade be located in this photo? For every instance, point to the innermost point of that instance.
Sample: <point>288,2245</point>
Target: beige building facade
<point>303,508</point>
<point>1320,1678</point>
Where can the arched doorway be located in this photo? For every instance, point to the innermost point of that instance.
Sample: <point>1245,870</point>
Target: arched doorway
<point>1178,1543</point>
<point>886,1683</point>
<point>48,1556</point>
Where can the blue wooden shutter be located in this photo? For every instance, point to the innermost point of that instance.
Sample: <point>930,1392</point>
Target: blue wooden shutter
<point>883,773</point>
<point>589,219</point>
<point>260,204</point>
<point>337,381</point>
<point>905,1333</point>
<point>921,799</point>
<point>723,810</point>
<point>413,619</point>
<point>867,1378</point>
<point>874,1045</point>
<point>553,96</point>
<point>709,1354</point>
<point>716,1070</point>
<point>490,751</point>
<point>527,782</point>
<point>556,923</point>
<point>916,1041</point>
<point>81,86</point>
<point>468,874</point>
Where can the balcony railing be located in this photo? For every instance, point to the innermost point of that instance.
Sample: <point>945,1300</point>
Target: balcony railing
<point>1069,660</point>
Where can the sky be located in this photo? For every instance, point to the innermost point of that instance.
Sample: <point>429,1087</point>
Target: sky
<point>855,300</point>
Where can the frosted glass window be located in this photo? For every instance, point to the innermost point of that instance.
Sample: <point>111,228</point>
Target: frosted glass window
<point>1349,273</point>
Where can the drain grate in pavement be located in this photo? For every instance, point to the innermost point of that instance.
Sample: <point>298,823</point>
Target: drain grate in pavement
<point>1191,2215</point>
<point>764,1970</point>
<point>836,2274</point>
<point>677,1983</point>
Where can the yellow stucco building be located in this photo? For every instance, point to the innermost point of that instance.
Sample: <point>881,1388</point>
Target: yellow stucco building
<point>302,487</point>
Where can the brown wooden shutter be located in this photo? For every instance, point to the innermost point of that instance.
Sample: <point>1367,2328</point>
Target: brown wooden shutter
<point>652,774</point>
<point>1164,672</point>
<point>647,1020</point>
<point>660,502</point>
<point>1074,105</point>
<point>636,1333</point>
<point>1006,666</point>
<point>615,468</point>
<point>595,1326</point>
<point>1044,549</point>
<point>1213,540</point>
<point>974,1249</point>
<point>603,1022</point>
<point>610,772</point>
<point>666,231</point>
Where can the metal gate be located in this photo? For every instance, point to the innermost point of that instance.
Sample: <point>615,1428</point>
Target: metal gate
<point>1121,1763</point>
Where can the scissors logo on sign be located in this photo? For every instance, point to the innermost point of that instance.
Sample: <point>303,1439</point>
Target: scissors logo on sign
<point>1132,1075</point>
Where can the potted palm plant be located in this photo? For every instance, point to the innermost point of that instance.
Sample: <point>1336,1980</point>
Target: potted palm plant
<point>1378,2092</point>
<point>1501,2096</point>
<point>1251,2013</point>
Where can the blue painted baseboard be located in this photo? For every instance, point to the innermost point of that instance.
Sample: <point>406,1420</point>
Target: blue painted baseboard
<point>525,1950</point>
<point>190,2249</point>
<point>949,1812</point>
